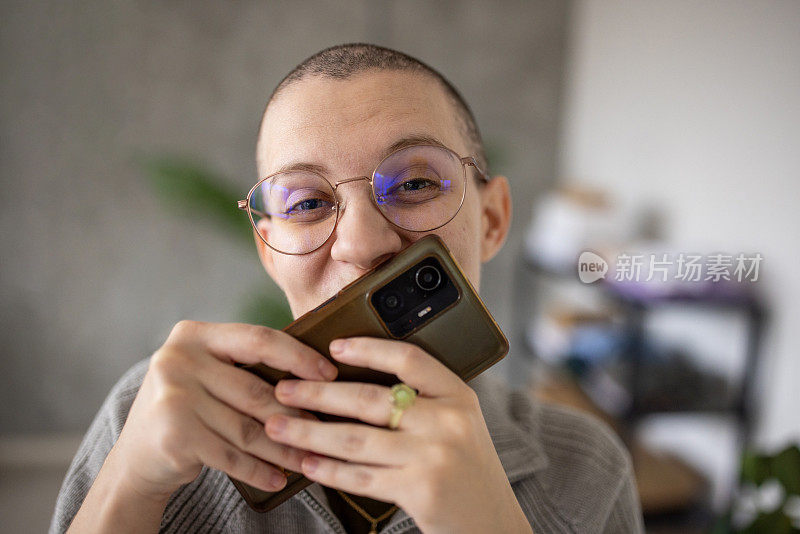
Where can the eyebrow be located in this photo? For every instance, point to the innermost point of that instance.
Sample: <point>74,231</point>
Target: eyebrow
<point>403,142</point>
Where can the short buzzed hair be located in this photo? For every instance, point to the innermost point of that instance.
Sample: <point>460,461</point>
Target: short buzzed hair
<point>346,60</point>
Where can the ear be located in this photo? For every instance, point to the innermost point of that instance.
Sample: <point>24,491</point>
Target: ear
<point>495,216</point>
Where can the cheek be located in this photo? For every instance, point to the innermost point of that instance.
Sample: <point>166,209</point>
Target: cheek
<point>299,277</point>
<point>462,237</point>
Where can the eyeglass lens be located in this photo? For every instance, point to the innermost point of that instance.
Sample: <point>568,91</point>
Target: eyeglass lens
<point>419,188</point>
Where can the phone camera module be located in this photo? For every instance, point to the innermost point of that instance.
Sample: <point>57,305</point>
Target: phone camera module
<point>428,278</point>
<point>412,299</point>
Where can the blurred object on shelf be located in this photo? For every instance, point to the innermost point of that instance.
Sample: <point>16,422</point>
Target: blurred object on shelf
<point>550,336</point>
<point>671,381</point>
<point>567,221</point>
<point>556,386</point>
<point>592,347</point>
<point>665,482</point>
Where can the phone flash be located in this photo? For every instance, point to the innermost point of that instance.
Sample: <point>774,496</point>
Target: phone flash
<point>424,311</point>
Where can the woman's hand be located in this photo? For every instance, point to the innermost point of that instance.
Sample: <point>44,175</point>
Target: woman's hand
<point>196,408</point>
<point>439,465</point>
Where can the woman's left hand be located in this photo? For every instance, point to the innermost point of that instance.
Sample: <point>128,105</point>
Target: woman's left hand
<point>439,465</point>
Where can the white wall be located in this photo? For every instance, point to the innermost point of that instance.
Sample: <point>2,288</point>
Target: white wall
<point>695,107</point>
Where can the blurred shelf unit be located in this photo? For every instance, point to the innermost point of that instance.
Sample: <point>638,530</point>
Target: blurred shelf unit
<point>598,332</point>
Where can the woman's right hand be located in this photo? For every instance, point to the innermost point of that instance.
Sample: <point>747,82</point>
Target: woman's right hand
<point>196,408</point>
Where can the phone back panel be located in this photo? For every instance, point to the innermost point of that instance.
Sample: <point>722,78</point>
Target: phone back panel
<point>463,336</point>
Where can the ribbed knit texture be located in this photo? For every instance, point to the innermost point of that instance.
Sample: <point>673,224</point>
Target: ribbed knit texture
<point>569,472</point>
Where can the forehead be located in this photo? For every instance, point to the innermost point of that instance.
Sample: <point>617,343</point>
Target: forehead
<point>339,123</point>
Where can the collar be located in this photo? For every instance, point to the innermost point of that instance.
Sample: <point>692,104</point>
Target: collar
<point>513,423</point>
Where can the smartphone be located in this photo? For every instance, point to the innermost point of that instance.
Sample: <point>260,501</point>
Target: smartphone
<point>420,296</point>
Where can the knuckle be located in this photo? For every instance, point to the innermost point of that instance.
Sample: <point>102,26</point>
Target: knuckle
<point>172,402</point>
<point>250,431</point>
<point>368,394</point>
<point>262,334</point>
<point>353,442</point>
<point>438,454</point>
<point>451,418</point>
<point>183,328</point>
<point>363,479</point>
<point>231,459</point>
<point>289,457</point>
<point>410,355</point>
<point>259,392</point>
<point>169,361</point>
<point>172,445</point>
<point>161,361</point>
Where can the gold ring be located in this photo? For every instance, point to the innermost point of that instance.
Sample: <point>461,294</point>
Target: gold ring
<point>402,397</point>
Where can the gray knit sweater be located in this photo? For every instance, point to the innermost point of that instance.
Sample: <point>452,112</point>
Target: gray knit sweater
<point>569,472</point>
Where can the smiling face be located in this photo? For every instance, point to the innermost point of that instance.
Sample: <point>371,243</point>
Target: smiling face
<point>348,126</point>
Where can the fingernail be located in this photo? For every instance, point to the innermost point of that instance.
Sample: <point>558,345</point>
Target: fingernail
<point>338,345</point>
<point>310,464</point>
<point>287,387</point>
<point>277,423</point>
<point>327,369</point>
<point>277,480</point>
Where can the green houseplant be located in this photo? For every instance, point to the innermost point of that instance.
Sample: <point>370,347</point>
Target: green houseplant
<point>768,497</point>
<point>189,188</point>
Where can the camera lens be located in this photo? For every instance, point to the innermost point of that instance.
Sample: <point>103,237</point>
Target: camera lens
<point>428,277</point>
<point>392,301</point>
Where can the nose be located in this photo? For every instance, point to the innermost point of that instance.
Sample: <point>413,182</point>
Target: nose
<point>363,237</point>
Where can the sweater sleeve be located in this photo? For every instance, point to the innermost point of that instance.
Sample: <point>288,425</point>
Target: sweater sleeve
<point>589,481</point>
<point>626,513</point>
<point>101,436</point>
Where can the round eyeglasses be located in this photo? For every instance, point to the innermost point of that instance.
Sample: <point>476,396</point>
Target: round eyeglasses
<point>417,188</point>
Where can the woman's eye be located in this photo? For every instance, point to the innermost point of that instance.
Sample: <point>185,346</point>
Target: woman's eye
<point>414,185</point>
<point>309,204</point>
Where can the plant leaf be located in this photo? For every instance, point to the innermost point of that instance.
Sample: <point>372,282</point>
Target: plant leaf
<point>786,468</point>
<point>755,468</point>
<point>775,522</point>
<point>195,191</point>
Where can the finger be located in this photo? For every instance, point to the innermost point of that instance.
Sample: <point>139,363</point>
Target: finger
<point>247,343</point>
<point>410,363</point>
<point>370,403</point>
<point>217,453</point>
<point>238,388</point>
<point>349,441</point>
<point>246,433</point>
<point>369,481</point>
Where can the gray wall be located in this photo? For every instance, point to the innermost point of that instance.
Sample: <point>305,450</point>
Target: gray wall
<point>94,270</point>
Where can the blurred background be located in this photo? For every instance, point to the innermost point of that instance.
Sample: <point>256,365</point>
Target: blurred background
<point>649,129</point>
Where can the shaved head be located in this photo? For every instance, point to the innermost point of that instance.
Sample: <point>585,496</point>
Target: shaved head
<point>344,61</point>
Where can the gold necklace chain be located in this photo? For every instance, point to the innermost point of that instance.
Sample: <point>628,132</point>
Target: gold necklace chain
<point>372,520</point>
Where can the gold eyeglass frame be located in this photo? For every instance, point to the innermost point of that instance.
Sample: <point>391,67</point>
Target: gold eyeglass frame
<point>466,161</point>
